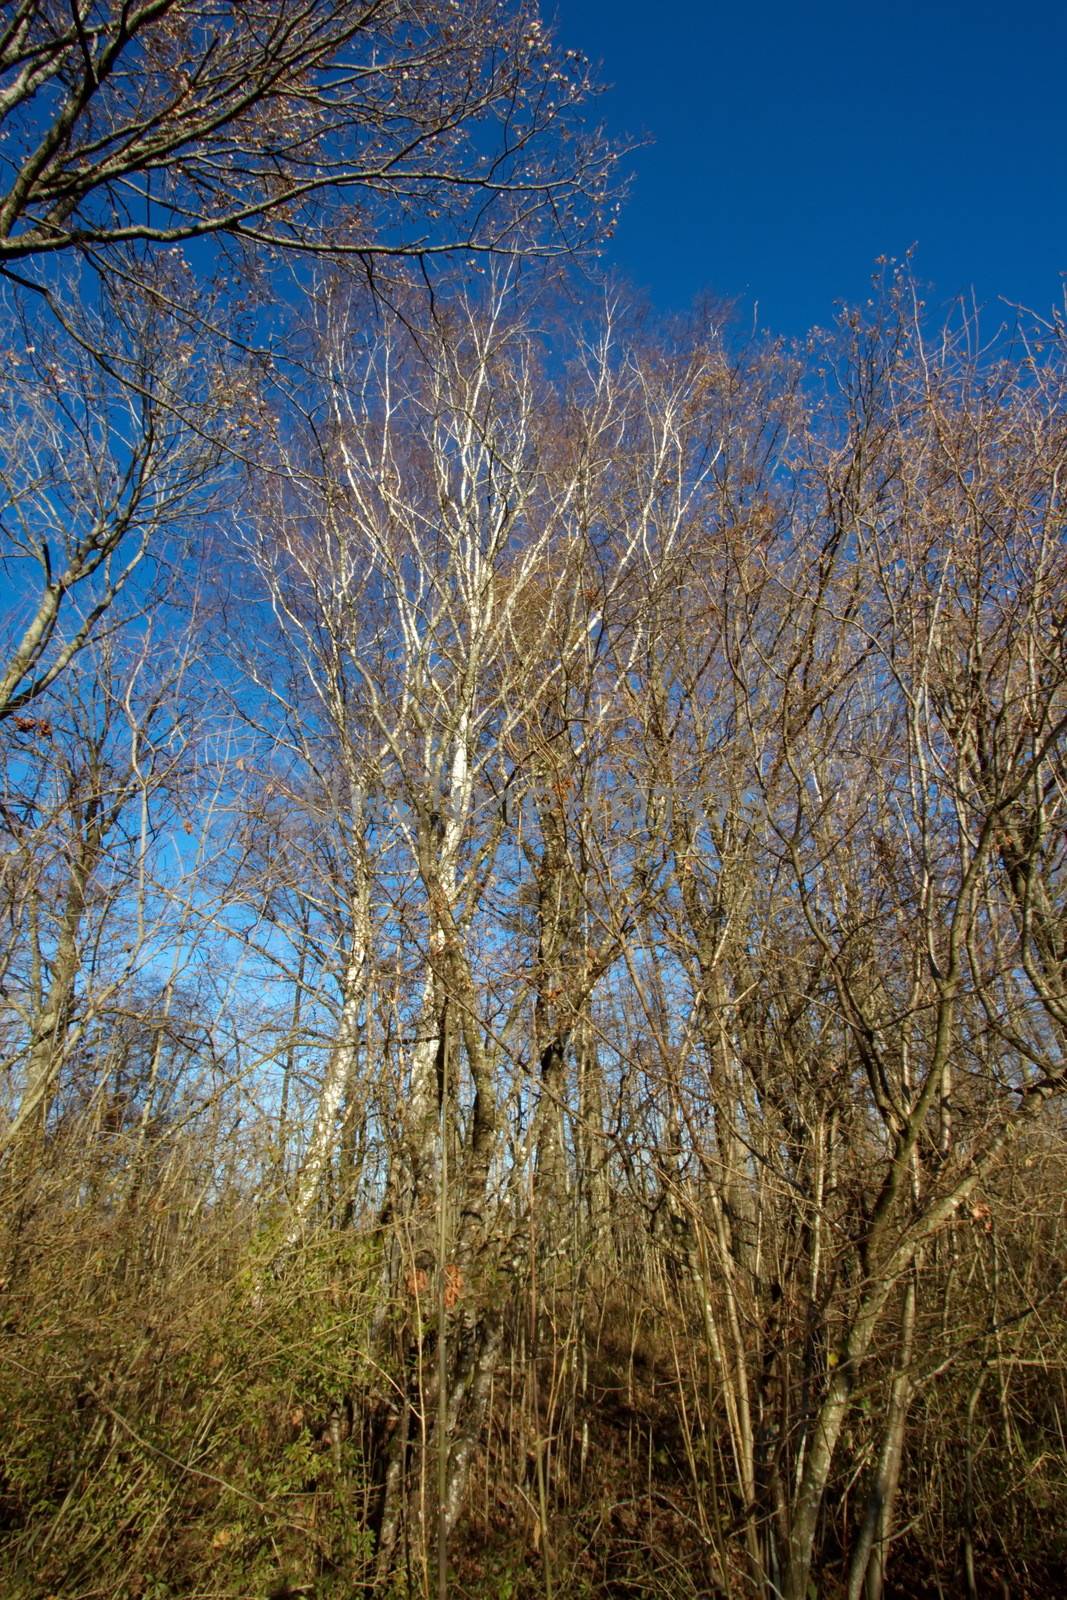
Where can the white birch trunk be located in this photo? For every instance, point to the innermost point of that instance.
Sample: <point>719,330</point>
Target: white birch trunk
<point>322,1144</point>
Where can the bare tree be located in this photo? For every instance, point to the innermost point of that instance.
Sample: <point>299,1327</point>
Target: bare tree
<point>95,478</point>
<point>843,1014</point>
<point>92,791</point>
<point>620,976</point>
<point>898,800</point>
<point>143,140</point>
<point>360,127</point>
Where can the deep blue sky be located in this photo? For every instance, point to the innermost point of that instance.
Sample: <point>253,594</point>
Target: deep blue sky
<point>795,143</point>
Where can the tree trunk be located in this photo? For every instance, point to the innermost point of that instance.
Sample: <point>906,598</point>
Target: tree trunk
<point>867,1567</point>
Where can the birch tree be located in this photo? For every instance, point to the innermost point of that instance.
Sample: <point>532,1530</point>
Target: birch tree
<point>170,167</point>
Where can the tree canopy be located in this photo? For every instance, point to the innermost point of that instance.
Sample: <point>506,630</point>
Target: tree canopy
<point>532,983</point>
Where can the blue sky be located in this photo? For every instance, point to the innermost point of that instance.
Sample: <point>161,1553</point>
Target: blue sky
<point>795,144</point>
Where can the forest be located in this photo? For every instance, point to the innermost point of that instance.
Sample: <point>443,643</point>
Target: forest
<point>533,851</point>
